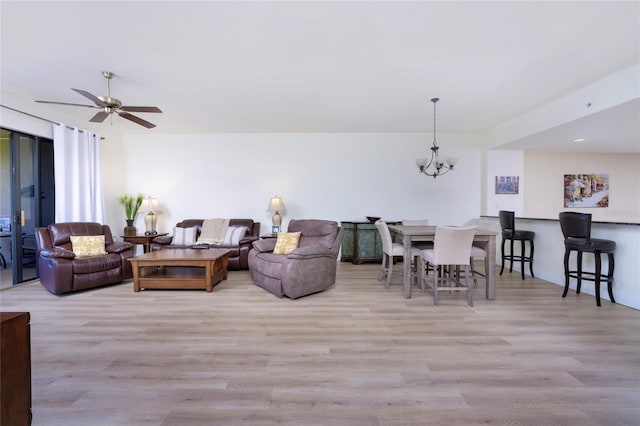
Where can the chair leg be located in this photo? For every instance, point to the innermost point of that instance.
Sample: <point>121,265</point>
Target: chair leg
<point>597,277</point>
<point>382,268</point>
<point>473,273</point>
<point>423,265</point>
<point>579,279</point>
<point>531,259</point>
<point>437,271</point>
<point>502,255</point>
<point>610,277</point>
<point>522,247</point>
<point>456,277</point>
<point>567,253</point>
<point>466,282</point>
<point>511,256</point>
<point>389,272</point>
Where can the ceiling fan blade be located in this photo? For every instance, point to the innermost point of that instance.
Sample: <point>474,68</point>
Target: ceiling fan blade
<point>66,103</point>
<point>140,109</point>
<point>136,120</point>
<point>91,96</point>
<point>99,117</point>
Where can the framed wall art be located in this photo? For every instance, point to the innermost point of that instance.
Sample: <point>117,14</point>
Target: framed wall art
<point>586,190</point>
<point>507,184</point>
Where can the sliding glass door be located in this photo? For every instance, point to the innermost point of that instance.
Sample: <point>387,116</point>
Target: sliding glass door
<point>26,202</point>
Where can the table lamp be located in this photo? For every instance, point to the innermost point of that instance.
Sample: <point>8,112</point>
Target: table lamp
<point>150,205</point>
<point>276,205</point>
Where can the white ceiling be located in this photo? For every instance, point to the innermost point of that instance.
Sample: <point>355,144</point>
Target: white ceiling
<point>616,129</point>
<point>368,66</point>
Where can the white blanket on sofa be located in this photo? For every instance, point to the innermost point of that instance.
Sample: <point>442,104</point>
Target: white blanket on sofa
<point>213,231</point>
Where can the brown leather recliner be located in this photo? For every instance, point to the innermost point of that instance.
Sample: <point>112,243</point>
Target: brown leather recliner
<point>239,256</point>
<point>62,272</point>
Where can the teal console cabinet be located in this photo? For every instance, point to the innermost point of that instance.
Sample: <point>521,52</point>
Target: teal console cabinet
<point>361,242</point>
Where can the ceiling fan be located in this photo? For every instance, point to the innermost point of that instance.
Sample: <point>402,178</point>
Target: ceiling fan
<point>109,105</point>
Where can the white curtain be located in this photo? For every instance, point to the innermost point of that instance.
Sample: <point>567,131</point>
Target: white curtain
<point>78,178</point>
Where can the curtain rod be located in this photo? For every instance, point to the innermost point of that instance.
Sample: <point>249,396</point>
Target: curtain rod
<point>41,118</point>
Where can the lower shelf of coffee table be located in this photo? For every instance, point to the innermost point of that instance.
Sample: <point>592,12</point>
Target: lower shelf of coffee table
<point>177,277</point>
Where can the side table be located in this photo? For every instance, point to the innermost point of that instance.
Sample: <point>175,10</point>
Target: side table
<point>143,240</point>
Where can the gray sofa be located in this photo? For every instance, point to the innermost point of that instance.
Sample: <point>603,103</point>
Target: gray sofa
<point>308,269</point>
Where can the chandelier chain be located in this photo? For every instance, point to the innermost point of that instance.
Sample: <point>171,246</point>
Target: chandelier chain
<point>434,100</point>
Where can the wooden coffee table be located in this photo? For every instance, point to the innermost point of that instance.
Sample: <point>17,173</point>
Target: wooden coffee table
<point>180,268</point>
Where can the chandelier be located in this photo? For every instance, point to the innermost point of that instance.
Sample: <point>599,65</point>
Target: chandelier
<point>438,164</point>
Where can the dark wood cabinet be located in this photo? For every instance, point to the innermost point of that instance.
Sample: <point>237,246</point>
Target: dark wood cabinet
<point>15,369</point>
<point>361,242</point>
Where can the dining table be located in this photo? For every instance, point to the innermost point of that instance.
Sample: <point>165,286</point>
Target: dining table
<point>409,234</point>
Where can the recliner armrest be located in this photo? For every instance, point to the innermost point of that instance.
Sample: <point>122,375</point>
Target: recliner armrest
<point>248,239</point>
<point>58,253</point>
<point>310,251</point>
<point>118,247</point>
<point>265,245</point>
<point>163,239</point>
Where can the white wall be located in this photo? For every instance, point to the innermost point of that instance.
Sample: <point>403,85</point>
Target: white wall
<point>545,173</point>
<point>330,176</point>
<point>505,163</point>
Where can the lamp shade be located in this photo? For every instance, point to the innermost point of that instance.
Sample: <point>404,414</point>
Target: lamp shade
<point>276,204</point>
<point>150,205</point>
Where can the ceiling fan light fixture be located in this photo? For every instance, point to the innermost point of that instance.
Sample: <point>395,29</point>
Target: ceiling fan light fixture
<point>113,102</point>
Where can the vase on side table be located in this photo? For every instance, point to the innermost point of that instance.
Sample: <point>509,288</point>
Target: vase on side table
<point>129,230</point>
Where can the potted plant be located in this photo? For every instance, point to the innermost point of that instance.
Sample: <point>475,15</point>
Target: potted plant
<point>131,206</point>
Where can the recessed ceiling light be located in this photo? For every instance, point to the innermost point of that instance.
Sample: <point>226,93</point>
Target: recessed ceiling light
<point>579,140</point>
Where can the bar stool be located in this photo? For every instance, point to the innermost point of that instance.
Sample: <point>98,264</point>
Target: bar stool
<point>576,229</point>
<point>507,223</point>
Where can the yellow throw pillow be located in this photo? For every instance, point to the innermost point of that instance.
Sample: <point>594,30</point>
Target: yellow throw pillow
<point>90,245</point>
<point>286,242</point>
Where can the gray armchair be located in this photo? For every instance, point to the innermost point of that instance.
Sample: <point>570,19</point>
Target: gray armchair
<point>308,269</point>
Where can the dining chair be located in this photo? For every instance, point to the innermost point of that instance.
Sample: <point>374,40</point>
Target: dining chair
<point>478,252</point>
<point>451,249</point>
<point>390,250</point>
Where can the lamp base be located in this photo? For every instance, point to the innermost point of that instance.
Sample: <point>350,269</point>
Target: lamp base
<point>150,221</point>
<point>277,219</point>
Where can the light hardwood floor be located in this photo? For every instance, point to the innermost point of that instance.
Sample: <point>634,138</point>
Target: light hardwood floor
<point>354,355</point>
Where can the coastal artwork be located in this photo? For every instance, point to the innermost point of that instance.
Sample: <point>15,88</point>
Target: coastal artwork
<point>586,190</point>
<point>507,184</point>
